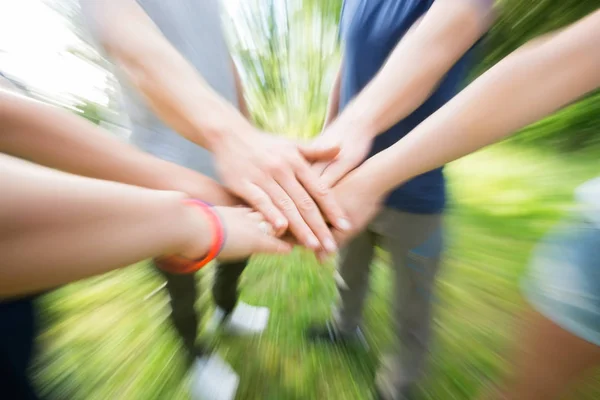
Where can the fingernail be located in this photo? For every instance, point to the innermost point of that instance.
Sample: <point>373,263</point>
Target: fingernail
<point>280,223</point>
<point>344,224</point>
<point>330,245</point>
<point>313,243</point>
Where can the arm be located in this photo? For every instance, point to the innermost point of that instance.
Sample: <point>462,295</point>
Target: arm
<point>534,81</point>
<point>53,137</point>
<point>239,88</point>
<point>531,83</point>
<point>412,72</point>
<point>105,225</point>
<point>418,63</point>
<point>169,84</point>
<point>333,105</point>
<point>269,173</point>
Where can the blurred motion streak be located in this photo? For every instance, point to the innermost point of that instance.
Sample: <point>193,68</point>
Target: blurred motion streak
<point>105,338</point>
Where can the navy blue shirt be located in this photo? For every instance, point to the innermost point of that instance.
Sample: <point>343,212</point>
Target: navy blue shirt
<point>370,30</point>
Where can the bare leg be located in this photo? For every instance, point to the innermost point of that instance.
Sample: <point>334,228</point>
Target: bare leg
<point>547,360</point>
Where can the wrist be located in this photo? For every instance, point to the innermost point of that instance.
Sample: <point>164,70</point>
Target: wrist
<point>219,138</point>
<point>201,187</point>
<point>377,181</point>
<point>352,121</point>
<point>197,233</point>
<point>204,235</point>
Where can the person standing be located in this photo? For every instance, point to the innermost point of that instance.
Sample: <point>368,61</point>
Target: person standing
<point>560,340</point>
<point>402,60</point>
<point>60,140</point>
<point>182,93</point>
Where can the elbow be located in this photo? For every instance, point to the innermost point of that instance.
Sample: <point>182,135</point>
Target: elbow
<point>138,62</point>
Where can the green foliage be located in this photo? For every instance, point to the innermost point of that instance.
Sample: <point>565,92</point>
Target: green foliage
<point>519,21</point>
<point>573,128</point>
<point>287,53</point>
<point>109,337</point>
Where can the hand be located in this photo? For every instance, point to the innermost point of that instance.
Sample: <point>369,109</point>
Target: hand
<point>354,144</point>
<point>201,187</point>
<point>274,177</point>
<point>246,233</point>
<point>361,199</point>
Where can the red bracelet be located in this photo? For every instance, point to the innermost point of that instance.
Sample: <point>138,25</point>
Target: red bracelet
<point>181,265</point>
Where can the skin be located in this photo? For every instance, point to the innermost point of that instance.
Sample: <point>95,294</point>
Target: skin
<point>414,69</point>
<point>534,81</point>
<point>107,225</point>
<point>58,139</point>
<point>271,174</point>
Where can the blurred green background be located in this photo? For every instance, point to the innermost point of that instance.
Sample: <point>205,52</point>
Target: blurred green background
<point>109,338</point>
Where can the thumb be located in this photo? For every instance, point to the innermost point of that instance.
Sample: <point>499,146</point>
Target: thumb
<point>335,171</point>
<point>319,150</point>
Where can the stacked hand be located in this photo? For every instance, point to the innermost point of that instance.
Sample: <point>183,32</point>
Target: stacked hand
<point>302,189</point>
<point>274,176</point>
<point>354,147</point>
<point>353,189</point>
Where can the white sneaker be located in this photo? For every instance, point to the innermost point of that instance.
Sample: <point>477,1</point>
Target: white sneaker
<point>244,320</point>
<point>213,379</point>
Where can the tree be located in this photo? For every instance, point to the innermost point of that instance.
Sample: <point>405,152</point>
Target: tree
<point>288,54</point>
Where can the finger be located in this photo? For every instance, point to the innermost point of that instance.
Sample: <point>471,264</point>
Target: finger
<point>290,238</point>
<point>269,229</point>
<point>319,151</point>
<point>271,245</point>
<point>322,256</point>
<point>342,237</point>
<point>323,196</point>
<point>310,213</point>
<point>261,201</point>
<point>319,167</point>
<point>256,216</point>
<point>334,172</point>
<point>266,228</point>
<point>297,225</point>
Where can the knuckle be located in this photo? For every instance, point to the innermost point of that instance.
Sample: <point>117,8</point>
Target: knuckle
<point>321,189</point>
<point>300,164</point>
<point>275,166</point>
<point>259,200</point>
<point>306,203</point>
<point>285,203</point>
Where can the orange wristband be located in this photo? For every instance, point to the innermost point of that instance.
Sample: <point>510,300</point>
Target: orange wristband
<point>181,265</point>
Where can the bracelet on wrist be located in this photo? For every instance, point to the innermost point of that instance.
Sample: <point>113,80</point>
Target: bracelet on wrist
<point>181,265</point>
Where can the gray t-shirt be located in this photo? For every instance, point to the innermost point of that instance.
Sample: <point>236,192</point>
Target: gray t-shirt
<point>194,28</point>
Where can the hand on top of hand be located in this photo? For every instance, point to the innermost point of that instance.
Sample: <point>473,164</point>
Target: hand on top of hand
<point>274,176</point>
<point>354,147</point>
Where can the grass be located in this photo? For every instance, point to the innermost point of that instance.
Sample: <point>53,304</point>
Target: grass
<point>108,338</point>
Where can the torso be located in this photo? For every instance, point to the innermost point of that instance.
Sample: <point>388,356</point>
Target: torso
<point>370,30</point>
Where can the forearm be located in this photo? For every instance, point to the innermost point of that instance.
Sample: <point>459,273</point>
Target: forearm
<point>55,138</point>
<point>531,83</point>
<point>333,104</point>
<point>170,85</point>
<point>239,88</point>
<point>418,63</point>
<point>56,228</point>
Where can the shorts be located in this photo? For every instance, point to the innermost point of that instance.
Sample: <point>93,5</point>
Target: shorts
<point>18,330</point>
<point>563,281</point>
